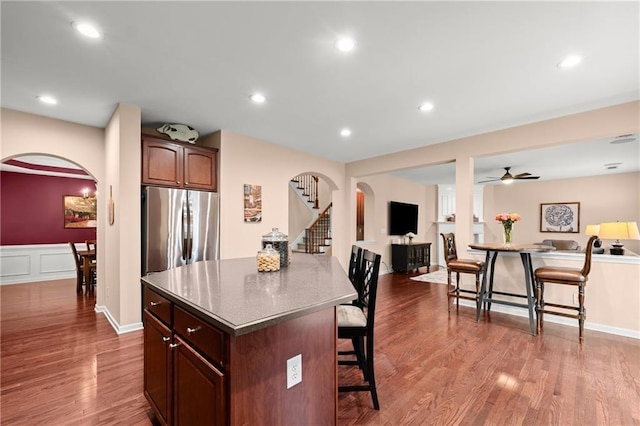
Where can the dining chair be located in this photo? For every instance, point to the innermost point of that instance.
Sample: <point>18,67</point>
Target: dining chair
<point>356,322</point>
<point>79,267</point>
<point>355,268</point>
<point>460,266</point>
<point>566,276</point>
<point>91,244</point>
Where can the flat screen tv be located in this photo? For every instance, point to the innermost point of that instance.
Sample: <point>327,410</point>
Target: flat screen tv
<point>403,218</point>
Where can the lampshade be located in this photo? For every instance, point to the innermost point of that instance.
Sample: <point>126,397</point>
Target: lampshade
<point>619,231</point>
<point>592,230</point>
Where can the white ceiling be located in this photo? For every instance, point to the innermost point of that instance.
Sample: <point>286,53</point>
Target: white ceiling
<point>485,66</point>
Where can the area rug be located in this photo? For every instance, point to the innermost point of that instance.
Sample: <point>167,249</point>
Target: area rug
<point>436,277</point>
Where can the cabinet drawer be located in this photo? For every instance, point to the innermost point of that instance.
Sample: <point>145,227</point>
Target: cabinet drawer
<point>157,305</point>
<point>208,339</point>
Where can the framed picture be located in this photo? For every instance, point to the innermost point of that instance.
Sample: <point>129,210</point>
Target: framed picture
<point>252,203</point>
<point>560,217</point>
<point>80,212</point>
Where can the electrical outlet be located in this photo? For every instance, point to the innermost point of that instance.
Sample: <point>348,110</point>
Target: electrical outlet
<point>294,371</point>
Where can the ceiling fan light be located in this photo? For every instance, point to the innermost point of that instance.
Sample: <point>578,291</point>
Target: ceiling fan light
<point>507,181</point>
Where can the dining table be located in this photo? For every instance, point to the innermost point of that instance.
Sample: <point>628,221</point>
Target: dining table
<point>87,257</point>
<point>487,295</point>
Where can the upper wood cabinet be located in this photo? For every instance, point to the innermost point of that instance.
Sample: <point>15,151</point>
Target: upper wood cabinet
<point>178,165</point>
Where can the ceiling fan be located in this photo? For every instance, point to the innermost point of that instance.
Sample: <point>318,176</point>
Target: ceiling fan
<point>508,178</point>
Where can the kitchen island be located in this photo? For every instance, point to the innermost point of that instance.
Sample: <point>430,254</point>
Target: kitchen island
<point>218,335</point>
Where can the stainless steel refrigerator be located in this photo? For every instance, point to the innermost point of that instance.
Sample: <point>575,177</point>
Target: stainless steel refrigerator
<point>179,227</point>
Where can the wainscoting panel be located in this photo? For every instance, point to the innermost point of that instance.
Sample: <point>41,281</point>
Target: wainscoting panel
<point>15,265</point>
<point>30,263</point>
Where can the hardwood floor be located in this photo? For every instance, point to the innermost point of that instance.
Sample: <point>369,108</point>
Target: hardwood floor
<point>61,363</point>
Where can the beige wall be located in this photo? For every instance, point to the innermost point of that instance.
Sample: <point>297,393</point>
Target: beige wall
<point>385,188</point>
<point>247,160</point>
<point>123,238</point>
<point>614,302</point>
<point>599,123</point>
<point>112,157</point>
<point>606,198</point>
<point>299,215</point>
<point>24,133</point>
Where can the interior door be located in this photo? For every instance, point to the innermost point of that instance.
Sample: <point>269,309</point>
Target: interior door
<point>359,216</point>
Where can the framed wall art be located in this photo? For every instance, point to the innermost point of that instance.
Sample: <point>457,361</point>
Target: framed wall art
<point>252,203</point>
<point>80,212</point>
<point>560,217</point>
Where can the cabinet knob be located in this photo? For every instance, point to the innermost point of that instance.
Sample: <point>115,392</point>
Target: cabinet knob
<point>165,339</point>
<point>174,345</point>
<point>186,183</point>
<point>152,303</point>
<point>190,330</point>
<point>178,182</point>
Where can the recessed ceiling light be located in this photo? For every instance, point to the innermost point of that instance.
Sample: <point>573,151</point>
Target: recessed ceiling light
<point>345,133</point>
<point>258,98</point>
<point>570,61</point>
<point>345,44</point>
<point>46,99</point>
<point>87,29</point>
<point>426,106</point>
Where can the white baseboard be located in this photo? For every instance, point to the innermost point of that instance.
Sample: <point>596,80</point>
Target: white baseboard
<point>522,312</point>
<point>119,329</point>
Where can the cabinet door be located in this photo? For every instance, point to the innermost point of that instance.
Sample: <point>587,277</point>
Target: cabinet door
<point>199,389</point>
<point>162,163</point>
<point>157,359</point>
<point>200,168</point>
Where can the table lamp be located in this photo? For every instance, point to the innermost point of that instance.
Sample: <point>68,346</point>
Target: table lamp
<point>595,230</point>
<point>618,231</point>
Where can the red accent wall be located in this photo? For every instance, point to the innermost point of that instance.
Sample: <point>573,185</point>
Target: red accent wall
<point>31,209</point>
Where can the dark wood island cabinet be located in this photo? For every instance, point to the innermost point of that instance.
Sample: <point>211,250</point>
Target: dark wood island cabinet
<point>218,334</point>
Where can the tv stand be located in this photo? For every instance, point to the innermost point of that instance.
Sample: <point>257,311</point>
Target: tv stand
<point>407,257</point>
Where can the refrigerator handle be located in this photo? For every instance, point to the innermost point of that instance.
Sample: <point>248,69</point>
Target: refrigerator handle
<point>190,230</point>
<point>183,231</point>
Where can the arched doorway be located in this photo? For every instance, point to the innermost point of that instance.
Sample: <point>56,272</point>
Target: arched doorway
<point>45,203</point>
<point>310,206</point>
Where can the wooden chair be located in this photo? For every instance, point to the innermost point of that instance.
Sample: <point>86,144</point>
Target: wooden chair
<point>91,244</point>
<point>355,268</point>
<point>356,322</point>
<point>79,267</point>
<point>460,266</point>
<point>566,276</point>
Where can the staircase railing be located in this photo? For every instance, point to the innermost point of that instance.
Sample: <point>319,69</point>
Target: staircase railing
<point>309,186</point>
<point>319,231</point>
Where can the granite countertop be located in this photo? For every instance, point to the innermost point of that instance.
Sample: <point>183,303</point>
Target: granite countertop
<point>238,299</point>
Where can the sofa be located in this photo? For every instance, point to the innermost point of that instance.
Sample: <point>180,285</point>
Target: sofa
<point>565,245</point>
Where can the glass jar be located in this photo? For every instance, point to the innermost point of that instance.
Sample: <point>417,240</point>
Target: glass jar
<point>280,243</point>
<point>268,259</point>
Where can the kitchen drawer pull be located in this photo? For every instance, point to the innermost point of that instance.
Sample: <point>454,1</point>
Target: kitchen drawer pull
<point>152,303</point>
<point>190,330</point>
<point>165,339</point>
<point>174,345</point>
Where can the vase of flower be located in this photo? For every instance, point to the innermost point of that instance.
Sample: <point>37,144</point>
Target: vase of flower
<point>410,236</point>
<point>507,220</point>
<point>507,234</point>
